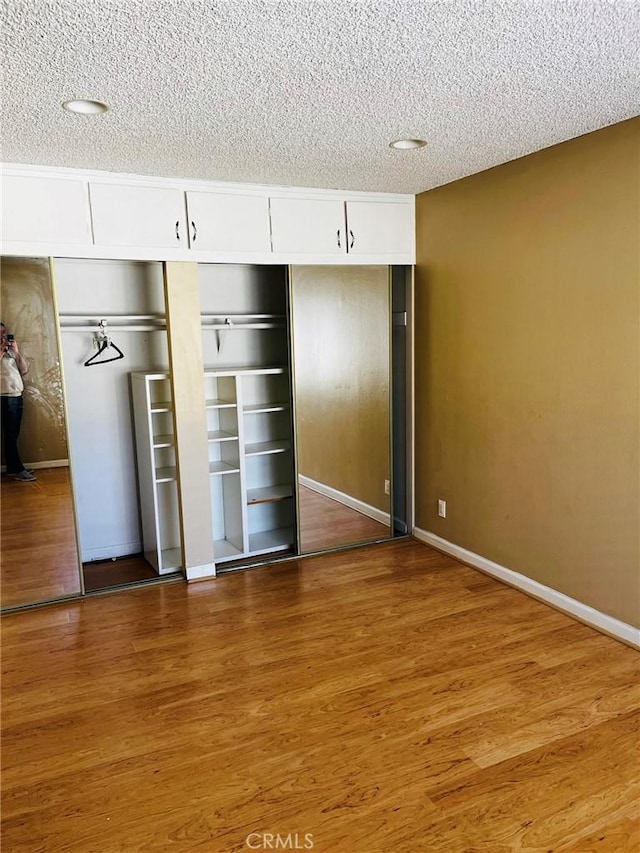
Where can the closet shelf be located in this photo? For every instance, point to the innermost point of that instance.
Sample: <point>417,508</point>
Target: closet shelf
<point>260,408</point>
<point>224,550</point>
<point>268,494</point>
<point>218,468</point>
<point>264,447</point>
<point>221,435</point>
<point>166,474</point>
<point>267,541</point>
<point>220,404</point>
<point>171,560</point>
<point>165,440</point>
<point>245,371</point>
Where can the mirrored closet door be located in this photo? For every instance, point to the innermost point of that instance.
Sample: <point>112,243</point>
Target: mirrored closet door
<point>342,390</point>
<point>38,534</point>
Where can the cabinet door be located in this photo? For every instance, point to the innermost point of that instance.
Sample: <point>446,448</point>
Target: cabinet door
<point>44,210</point>
<point>224,222</point>
<point>310,226</point>
<point>138,216</point>
<point>380,228</point>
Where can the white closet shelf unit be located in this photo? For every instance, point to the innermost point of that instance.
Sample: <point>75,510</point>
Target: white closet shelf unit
<point>250,461</point>
<point>157,474</point>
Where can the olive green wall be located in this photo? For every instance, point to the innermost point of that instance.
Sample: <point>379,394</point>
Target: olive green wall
<point>528,366</point>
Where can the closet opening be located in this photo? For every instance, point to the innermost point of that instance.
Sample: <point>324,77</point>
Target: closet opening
<point>249,411</point>
<point>122,455</point>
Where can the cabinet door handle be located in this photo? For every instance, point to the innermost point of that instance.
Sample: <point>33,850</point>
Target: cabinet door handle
<point>338,238</point>
<point>178,230</point>
<point>353,239</point>
<point>195,231</point>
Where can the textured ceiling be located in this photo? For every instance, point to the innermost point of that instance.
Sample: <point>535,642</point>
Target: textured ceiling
<point>310,93</point>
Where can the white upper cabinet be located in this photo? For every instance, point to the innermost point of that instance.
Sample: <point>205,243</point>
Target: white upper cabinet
<point>308,226</point>
<point>44,210</point>
<point>318,228</point>
<point>78,213</point>
<point>138,216</point>
<point>228,222</point>
<point>379,228</point>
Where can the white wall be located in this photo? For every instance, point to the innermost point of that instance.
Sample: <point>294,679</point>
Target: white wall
<point>243,289</point>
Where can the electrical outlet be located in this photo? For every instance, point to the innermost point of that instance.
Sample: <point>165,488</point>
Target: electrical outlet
<point>386,487</point>
<point>442,509</point>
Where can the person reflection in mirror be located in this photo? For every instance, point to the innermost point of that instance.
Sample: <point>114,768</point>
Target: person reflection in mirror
<point>13,366</point>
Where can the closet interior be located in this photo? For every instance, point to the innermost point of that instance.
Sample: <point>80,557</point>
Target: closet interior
<point>247,387</point>
<point>124,302</point>
<point>120,411</point>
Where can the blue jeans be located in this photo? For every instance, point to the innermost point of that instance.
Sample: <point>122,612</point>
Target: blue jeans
<point>11,413</point>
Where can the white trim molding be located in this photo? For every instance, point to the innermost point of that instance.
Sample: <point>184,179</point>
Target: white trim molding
<point>49,463</point>
<point>111,552</point>
<point>353,503</point>
<point>583,612</point>
<point>200,573</point>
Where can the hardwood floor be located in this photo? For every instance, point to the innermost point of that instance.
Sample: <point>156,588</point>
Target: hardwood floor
<point>384,700</point>
<point>325,523</point>
<point>109,573</point>
<point>39,554</point>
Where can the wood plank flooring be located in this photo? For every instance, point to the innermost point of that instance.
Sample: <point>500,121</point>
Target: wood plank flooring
<point>40,559</point>
<point>104,574</point>
<point>37,530</point>
<point>384,700</point>
<point>325,523</point>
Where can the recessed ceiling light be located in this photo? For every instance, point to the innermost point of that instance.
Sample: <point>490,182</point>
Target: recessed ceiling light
<point>85,106</point>
<point>405,144</point>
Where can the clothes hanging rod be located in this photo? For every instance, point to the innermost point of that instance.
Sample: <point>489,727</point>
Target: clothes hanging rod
<point>123,328</point>
<point>225,327</point>
<point>241,321</point>
<point>93,318</point>
<point>243,316</point>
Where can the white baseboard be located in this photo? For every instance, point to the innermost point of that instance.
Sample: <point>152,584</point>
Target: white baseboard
<point>52,463</point>
<point>195,573</point>
<point>353,503</point>
<point>583,612</point>
<point>125,549</point>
